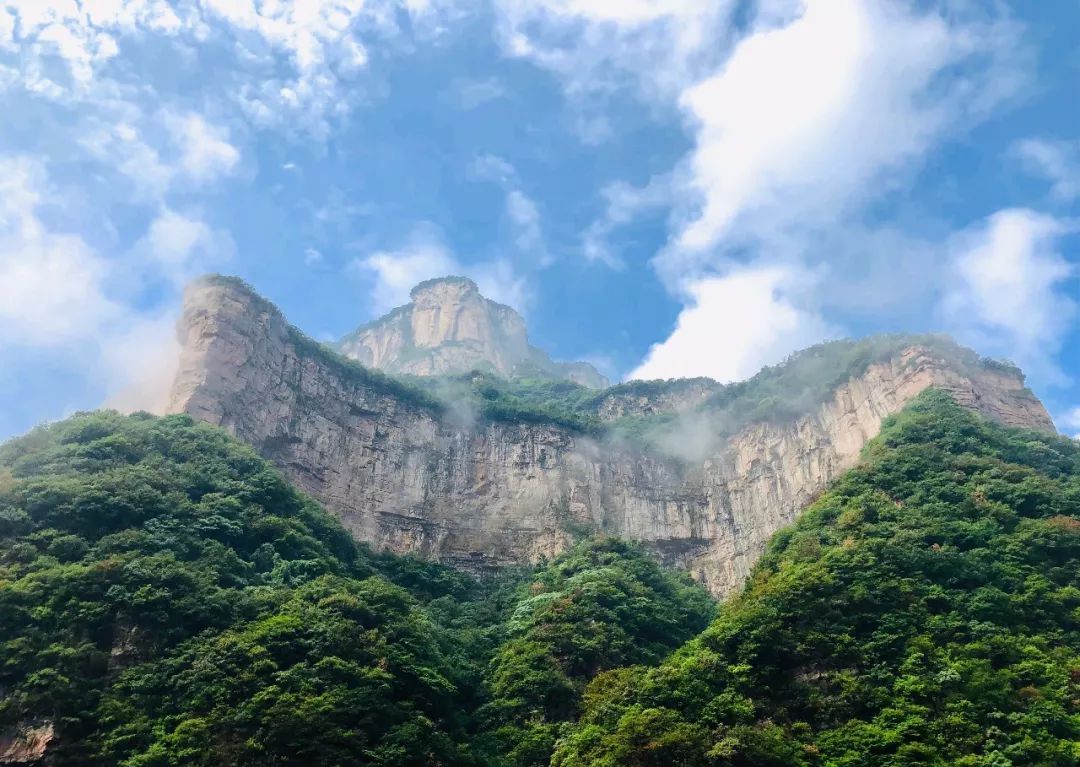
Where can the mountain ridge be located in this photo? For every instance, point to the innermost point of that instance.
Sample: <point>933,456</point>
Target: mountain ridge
<point>491,479</point>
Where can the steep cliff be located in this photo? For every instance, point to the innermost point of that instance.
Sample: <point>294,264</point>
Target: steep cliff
<point>448,327</point>
<point>407,473</point>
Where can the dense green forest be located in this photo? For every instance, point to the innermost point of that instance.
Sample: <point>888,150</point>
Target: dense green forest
<point>166,598</point>
<point>924,611</point>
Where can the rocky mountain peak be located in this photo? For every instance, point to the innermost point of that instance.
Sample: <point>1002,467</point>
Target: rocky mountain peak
<point>450,327</point>
<point>442,288</point>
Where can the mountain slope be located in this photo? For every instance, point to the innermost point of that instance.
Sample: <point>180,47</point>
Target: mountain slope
<point>166,598</point>
<point>483,473</point>
<point>925,610</point>
<point>448,327</point>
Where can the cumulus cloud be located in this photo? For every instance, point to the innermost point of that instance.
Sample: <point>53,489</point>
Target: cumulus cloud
<point>801,119</point>
<point>396,272</point>
<point>816,114</point>
<point>53,282</point>
<point>181,246</point>
<point>733,325</point>
<point>205,151</point>
<point>1007,293</point>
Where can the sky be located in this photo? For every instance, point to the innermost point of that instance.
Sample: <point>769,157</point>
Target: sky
<point>664,188</point>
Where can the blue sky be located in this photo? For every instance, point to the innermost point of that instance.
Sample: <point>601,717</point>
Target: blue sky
<point>663,188</point>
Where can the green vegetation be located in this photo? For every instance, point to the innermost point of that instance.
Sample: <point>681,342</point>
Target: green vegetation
<point>926,610</point>
<point>166,598</point>
<point>777,394</point>
<point>602,605</point>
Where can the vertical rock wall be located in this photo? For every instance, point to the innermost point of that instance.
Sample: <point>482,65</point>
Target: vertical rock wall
<point>483,495</point>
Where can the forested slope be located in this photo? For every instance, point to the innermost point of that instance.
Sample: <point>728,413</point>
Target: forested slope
<point>925,610</point>
<point>166,598</point>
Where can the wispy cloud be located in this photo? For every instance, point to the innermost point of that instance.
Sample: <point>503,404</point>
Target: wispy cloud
<point>392,273</point>
<point>62,296</point>
<point>469,93</point>
<point>1056,161</point>
<point>1007,294</point>
<point>522,212</point>
<point>802,116</point>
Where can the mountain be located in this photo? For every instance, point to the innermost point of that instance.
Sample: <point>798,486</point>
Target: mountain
<point>483,472</point>
<point>925,610</point>
<point>448,327</point>
<point>167,598</point>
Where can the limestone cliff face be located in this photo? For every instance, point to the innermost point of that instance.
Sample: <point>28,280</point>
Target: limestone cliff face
<point>448,327</point>
<point>405,478</point>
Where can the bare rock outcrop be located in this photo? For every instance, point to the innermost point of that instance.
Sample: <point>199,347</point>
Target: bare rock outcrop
<point>403,476</point>
<point>448,327</point>
<point>27,743</point>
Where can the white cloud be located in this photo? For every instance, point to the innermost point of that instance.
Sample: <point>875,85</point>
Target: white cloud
<point>205,151</point>
<point>525,218</point>
<point>63,296</point>
<point>159,152</point>
<point>733,325</point>
<point>81,34</point>
<point>394,273</point>
<point>181,246</point>
<point>522,212</point>
<point>1056,161</point>
<point>287,64</point>
<point>808,120</point>
<point>623,204</point>
<point>598,45</point>
<point>1007,297</point>
<point>800,122</point>
<point>53,282</point>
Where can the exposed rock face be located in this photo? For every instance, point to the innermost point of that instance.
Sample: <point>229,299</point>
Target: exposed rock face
<point>403,478</point>
<point>26,744</point>
<point>670,397</point>
<point>450,328</point>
